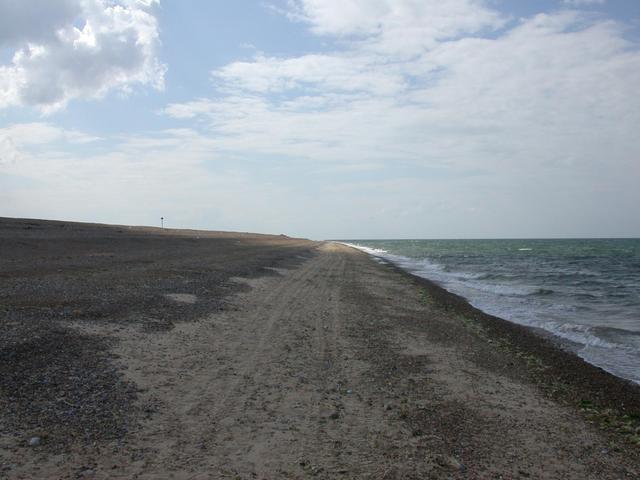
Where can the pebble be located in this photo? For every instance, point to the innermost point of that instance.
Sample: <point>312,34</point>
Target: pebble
<point>450,463</point>
<point>35,441</point>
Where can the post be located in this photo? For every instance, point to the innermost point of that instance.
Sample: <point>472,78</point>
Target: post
<point>162,222</point>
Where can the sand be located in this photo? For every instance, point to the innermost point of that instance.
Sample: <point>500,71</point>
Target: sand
<point>286,359</point>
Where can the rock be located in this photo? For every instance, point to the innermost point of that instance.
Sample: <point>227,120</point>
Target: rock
<point>449,463</point>
<point>35,441</point>
<point>87,473</point>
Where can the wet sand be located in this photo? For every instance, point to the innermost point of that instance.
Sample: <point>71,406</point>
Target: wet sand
<point>142,353</point>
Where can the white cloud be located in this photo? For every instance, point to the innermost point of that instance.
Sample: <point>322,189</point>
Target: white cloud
<point>39,133</point>
<point>66,49</point>
<point>333,72</point>
<point>9,154</point>
<point>397,26</point>
<point>577,3</point>
<point>18,140</point>
<point>470,101</point>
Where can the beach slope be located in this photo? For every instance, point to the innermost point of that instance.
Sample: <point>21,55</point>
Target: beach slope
<point>141,353</point>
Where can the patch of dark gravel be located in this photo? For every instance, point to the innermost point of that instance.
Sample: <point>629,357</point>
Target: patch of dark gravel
<point>60,386</point>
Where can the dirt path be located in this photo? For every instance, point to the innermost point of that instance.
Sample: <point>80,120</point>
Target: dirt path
<point>338,368</point>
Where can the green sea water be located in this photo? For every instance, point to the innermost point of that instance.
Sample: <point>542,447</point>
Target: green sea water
<point>586,291</point>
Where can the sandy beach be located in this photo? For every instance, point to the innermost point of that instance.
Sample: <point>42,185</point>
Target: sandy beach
<point>130,352</point>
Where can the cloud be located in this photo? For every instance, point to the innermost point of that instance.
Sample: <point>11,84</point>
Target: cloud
<point>35,21</point>
<point>66,49</point>
<point>396,26</point>
<point>334,72</point>
<point>9,154</point>
<point>578,3</point>
<point>39,133</point>
<point>471,101</point>
<point>17,141</point>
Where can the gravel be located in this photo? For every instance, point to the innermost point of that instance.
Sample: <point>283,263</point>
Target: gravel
<point>63,386</point>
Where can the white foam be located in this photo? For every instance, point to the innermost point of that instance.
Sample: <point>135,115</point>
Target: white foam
<point>581,334</point>
<point>371,251</point>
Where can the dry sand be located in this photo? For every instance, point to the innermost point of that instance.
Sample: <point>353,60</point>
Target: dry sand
<point>316,362</point>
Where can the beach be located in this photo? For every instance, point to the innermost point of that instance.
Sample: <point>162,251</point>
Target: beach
<point>137,352</point>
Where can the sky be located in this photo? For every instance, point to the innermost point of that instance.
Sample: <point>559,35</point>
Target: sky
<point>325,118</point>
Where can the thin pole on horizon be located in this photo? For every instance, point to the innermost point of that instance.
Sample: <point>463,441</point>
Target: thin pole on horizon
<point>162,222</point>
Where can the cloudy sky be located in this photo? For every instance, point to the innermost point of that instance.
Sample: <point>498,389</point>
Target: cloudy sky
<point>325,118</point>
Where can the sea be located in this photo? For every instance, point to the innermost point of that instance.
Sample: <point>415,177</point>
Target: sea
<point>584,291</point>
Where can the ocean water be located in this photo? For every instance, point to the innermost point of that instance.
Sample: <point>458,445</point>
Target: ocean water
<point>586,291</point>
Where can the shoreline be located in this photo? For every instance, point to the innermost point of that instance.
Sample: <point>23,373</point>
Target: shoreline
<point>561,342</point>
<point>204,355</point>
<point>586,379</point>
